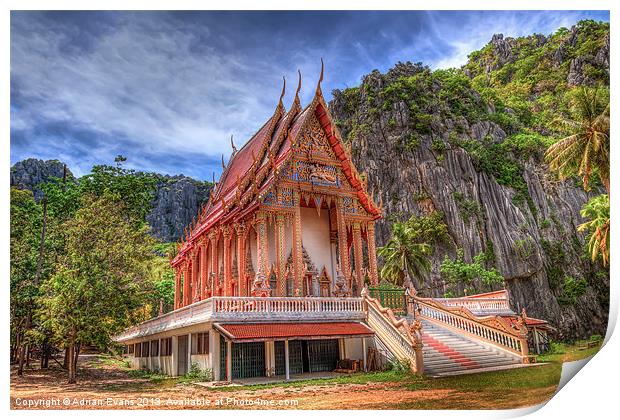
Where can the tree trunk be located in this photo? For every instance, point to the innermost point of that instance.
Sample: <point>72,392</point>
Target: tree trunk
<point>606,184</point>
<point>21,356</point>
<point>45,353</point>
<point>70,360</point>
<point>65,362</point>
<point>78,347</point>
<point>23,346</point>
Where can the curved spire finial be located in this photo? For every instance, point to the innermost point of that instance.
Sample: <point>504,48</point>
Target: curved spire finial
<point>283,91</point>
<point>223,164</point>
<point>318,85</point>
<point>232,143</point>
<point>298,84</point>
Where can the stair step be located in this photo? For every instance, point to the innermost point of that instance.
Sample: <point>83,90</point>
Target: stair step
<point>474,357</point>
<point>447,352</point>
<point>478,362</point>
<point>457,368</point>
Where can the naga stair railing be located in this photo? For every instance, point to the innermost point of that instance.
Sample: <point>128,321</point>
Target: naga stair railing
<point>493,330</point>
<point>403,340</point>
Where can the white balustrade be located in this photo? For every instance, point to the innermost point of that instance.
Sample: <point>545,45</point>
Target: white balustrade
<point>238,308</point>
<point>480,305</point>
<point>284,308</point>
<point>491,329</point>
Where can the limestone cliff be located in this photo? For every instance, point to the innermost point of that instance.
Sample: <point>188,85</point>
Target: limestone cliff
<point>176,200</point>
<point>448,141</point>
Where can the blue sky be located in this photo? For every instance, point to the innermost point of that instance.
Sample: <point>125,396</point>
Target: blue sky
<point>167,89</point>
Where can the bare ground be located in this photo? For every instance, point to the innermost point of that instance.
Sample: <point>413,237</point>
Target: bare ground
<point>111,386</point>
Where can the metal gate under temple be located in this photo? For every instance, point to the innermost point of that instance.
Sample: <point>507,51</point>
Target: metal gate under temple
<point>322,355</point>
<point>295,357</point>
<point>248,360</point>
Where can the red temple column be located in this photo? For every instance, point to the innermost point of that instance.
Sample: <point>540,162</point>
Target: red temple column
<point>213,236</point>
<point>372,253</point>
<point>358,255</point>
<point>227,233</point>
<point>186,283</point>
<point>204,276</point>
<point>195,274</point>
<point>343,246</point>
<point>177,288</point>
<point>280,256</point>
<point>241,230</point>
<point>260,287</point>
<point>297,248</point>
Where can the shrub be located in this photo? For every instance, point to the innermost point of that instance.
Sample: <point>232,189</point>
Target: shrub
<point>572,289</point>
<point>195,373</point>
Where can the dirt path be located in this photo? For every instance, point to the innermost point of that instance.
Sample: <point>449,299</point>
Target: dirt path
<point>110,387</point>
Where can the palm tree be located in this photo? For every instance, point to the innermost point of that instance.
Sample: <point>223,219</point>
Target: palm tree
<point>402,254</point>
<point>597,210</point>
<point>586,150</point>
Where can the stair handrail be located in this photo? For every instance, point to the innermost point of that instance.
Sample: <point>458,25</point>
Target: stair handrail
<point>410,334</point>
<point>492,329</point>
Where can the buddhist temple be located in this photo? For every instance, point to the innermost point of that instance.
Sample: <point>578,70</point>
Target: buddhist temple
<point>277,274</point>
<point>290,216</point>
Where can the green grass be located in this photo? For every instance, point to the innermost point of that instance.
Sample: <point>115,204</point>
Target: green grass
<point>354,378</point>
<point>528,385</point>
<point>561,352</point>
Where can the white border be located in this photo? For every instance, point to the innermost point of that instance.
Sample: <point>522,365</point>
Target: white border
<point>593,394</point>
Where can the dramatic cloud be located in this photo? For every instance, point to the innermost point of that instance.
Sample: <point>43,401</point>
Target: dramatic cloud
<point>168,89</point>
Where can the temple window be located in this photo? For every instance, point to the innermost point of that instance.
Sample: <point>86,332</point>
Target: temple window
<point>200,343</point>
<point>166,346</point>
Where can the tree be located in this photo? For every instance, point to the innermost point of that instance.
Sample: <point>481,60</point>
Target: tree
<point>585,151</point>
<point>100,280</point>
<point>162,276</point>
<point>136,190</point>
<point>26,220</point>
<point>402,254</point>
<point>457,271</point>
<point>597,211</point>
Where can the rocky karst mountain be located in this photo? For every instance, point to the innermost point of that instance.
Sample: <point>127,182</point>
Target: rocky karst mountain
<point>177,201</point>
<point>177,198</point>
<point>29,173</point>
<point>469,143</point>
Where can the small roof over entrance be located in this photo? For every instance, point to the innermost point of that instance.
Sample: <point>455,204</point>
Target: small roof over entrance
<point>290,331</point>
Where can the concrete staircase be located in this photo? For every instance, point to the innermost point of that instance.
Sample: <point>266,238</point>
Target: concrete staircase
<point>448,353</point>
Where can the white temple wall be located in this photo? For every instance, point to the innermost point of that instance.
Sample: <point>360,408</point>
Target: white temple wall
<point>252,238</point>
<point>315,237</point>
<point>354,348</point>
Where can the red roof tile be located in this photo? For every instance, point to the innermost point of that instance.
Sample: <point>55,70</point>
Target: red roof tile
<point>238,332</point>
<point>242,161</point>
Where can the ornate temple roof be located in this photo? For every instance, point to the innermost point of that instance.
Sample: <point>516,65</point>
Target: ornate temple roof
<point>252,169</point>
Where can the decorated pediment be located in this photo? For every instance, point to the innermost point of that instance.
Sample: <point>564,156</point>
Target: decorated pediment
<point>313,142</point>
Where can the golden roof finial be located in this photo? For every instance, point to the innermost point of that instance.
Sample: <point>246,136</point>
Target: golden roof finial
<point>232,143</point>
<point>298,84</point>
<point>223,164</point>
<point>318,85</point>
<point>283,91</point>
<point>213,178</point>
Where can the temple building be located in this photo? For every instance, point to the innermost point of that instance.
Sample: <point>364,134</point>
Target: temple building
<point>275,275</point>
<point>291,216</point>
